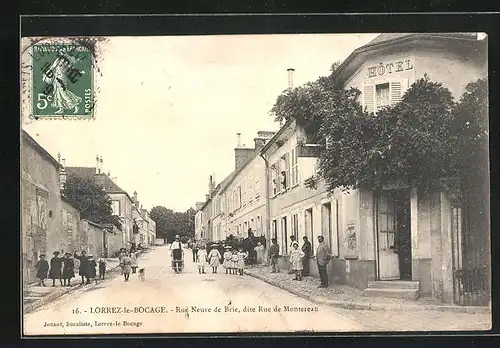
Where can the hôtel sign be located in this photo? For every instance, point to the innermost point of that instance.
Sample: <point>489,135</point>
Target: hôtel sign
<point>390,67</point>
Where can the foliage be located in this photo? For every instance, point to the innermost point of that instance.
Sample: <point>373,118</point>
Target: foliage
<point>420,140</point>
<point>170,223</point>
<point>90,199</point>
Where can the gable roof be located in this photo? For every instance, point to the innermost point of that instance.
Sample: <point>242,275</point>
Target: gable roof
<point>102,179</point>
<point>386,39</point>
<point>29,140</point>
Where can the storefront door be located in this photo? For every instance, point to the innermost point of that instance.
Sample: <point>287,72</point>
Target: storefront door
<point>393,235</point>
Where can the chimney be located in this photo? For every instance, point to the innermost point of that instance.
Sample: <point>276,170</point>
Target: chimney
<point>238,140</point>
<point>211,185</point>
<point>290,77</point>
<point>97,171</point>
<point>59,157</point>
<point>109,174</point>
<point>101,168</point>
<point>241,156</point>
<point>207,197</point>
<point>62,172</point>
<point>262,138</point>
<point>198,205</point>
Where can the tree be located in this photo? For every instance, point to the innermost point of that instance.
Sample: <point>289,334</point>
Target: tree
<point>170,223</point>
<point>422,139</point>
<point>91,200</point>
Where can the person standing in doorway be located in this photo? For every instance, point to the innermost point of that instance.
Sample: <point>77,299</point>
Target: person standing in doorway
<point>323,257</point>
<point>42,268</point>
<point>293,240</point>
<point>259,250</point>
<point>68,270</point>
<point>274,250</point>
<point>307,250</point>
<point>56,268</point>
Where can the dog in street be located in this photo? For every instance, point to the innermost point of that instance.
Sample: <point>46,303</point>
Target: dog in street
<point>142,274</point>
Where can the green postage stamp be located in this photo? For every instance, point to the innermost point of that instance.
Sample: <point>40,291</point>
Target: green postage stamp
<point>62,81</point>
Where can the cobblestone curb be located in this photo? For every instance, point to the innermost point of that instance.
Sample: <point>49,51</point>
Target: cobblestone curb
<point>63,291</point>
<point>371,305</point>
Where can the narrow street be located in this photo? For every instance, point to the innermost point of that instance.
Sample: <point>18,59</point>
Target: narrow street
<point>236,296</point>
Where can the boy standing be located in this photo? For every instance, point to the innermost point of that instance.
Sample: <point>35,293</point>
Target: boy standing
<point>274,250</point>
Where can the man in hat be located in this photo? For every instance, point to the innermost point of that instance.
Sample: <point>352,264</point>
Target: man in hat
<point>68,270</point>
<point>42,268</point>
<point>56,268</point>
<point>176,248</point>
<point>84,266</point>
<point>323,257</point>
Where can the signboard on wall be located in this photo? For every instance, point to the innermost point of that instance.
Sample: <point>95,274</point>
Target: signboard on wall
<point>389,67</point>
<point>351,241</point>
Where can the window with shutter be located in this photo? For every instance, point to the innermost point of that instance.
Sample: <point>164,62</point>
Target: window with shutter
<point>287,171</point>
<point>396,92</point>
<point>368,98</point>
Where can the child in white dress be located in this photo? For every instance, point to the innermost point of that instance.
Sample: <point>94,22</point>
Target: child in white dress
<point>227,259</point>
<point>241,260</point>
<point>214,258</point>
<point>202,259</point>
<point>234,262</point>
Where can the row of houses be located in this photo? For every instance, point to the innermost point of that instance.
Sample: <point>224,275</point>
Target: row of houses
<point>410,238</point>
<point>51,223</point>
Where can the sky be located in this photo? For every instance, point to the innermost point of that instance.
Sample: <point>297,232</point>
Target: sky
<point>169,107</point>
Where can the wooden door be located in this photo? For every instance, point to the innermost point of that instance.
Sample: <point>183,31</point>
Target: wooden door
<point>388,260</point>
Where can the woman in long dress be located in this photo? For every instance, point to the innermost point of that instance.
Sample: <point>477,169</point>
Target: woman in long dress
<point>42,268</point>
<point>126,264</point>
<point>68,270</point>
<point>202,259</point>
<point>214,258</point>
<point>296,256</point>
<point>57,76</point>
<point>55,272</point>
<point>259,250</point>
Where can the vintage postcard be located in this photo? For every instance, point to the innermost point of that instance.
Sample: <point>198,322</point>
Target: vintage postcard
<point>255,183</point>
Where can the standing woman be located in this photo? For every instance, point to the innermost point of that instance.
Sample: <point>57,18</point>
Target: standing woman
<point>214,258</point>
<point>42,268</point>
<point>126,263</point>
<point>56,268</point>
<point>84,266</point>
<point>68,270</point>
<point>259,250</point>
<point>296,265</point>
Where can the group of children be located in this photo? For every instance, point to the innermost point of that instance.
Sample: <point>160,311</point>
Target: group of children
<point>63,268</point>
<point>233,260</point>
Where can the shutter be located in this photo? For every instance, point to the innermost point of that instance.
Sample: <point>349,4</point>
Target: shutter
<point>287,170</point>
<point>396,93</point>
<point>368,98</point>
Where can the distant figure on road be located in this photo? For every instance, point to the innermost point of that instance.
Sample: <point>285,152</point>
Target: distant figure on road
<point>125,263</point>
<point>202,259</point>
<point>68,270</point>
<point>84,266</point>
<point>133,259</point>
<point>102,266</point>
<point>42,268</point>
<point>259,250</point>
<point>214,258</point>
<point>92,271</point>
<point>56,268</point>
<point>307,250</point>
<point>176,248</point>
<point>274,251</point>
<point>242,255</point>
<point>296,256</point>
<point>194,248</point>
<point>323,256</point>
<point>227,263</point>
<point>234,262</point>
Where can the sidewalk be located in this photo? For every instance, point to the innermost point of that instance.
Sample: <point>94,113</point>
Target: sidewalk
<point>36,296</point>
<point>347,297</point>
